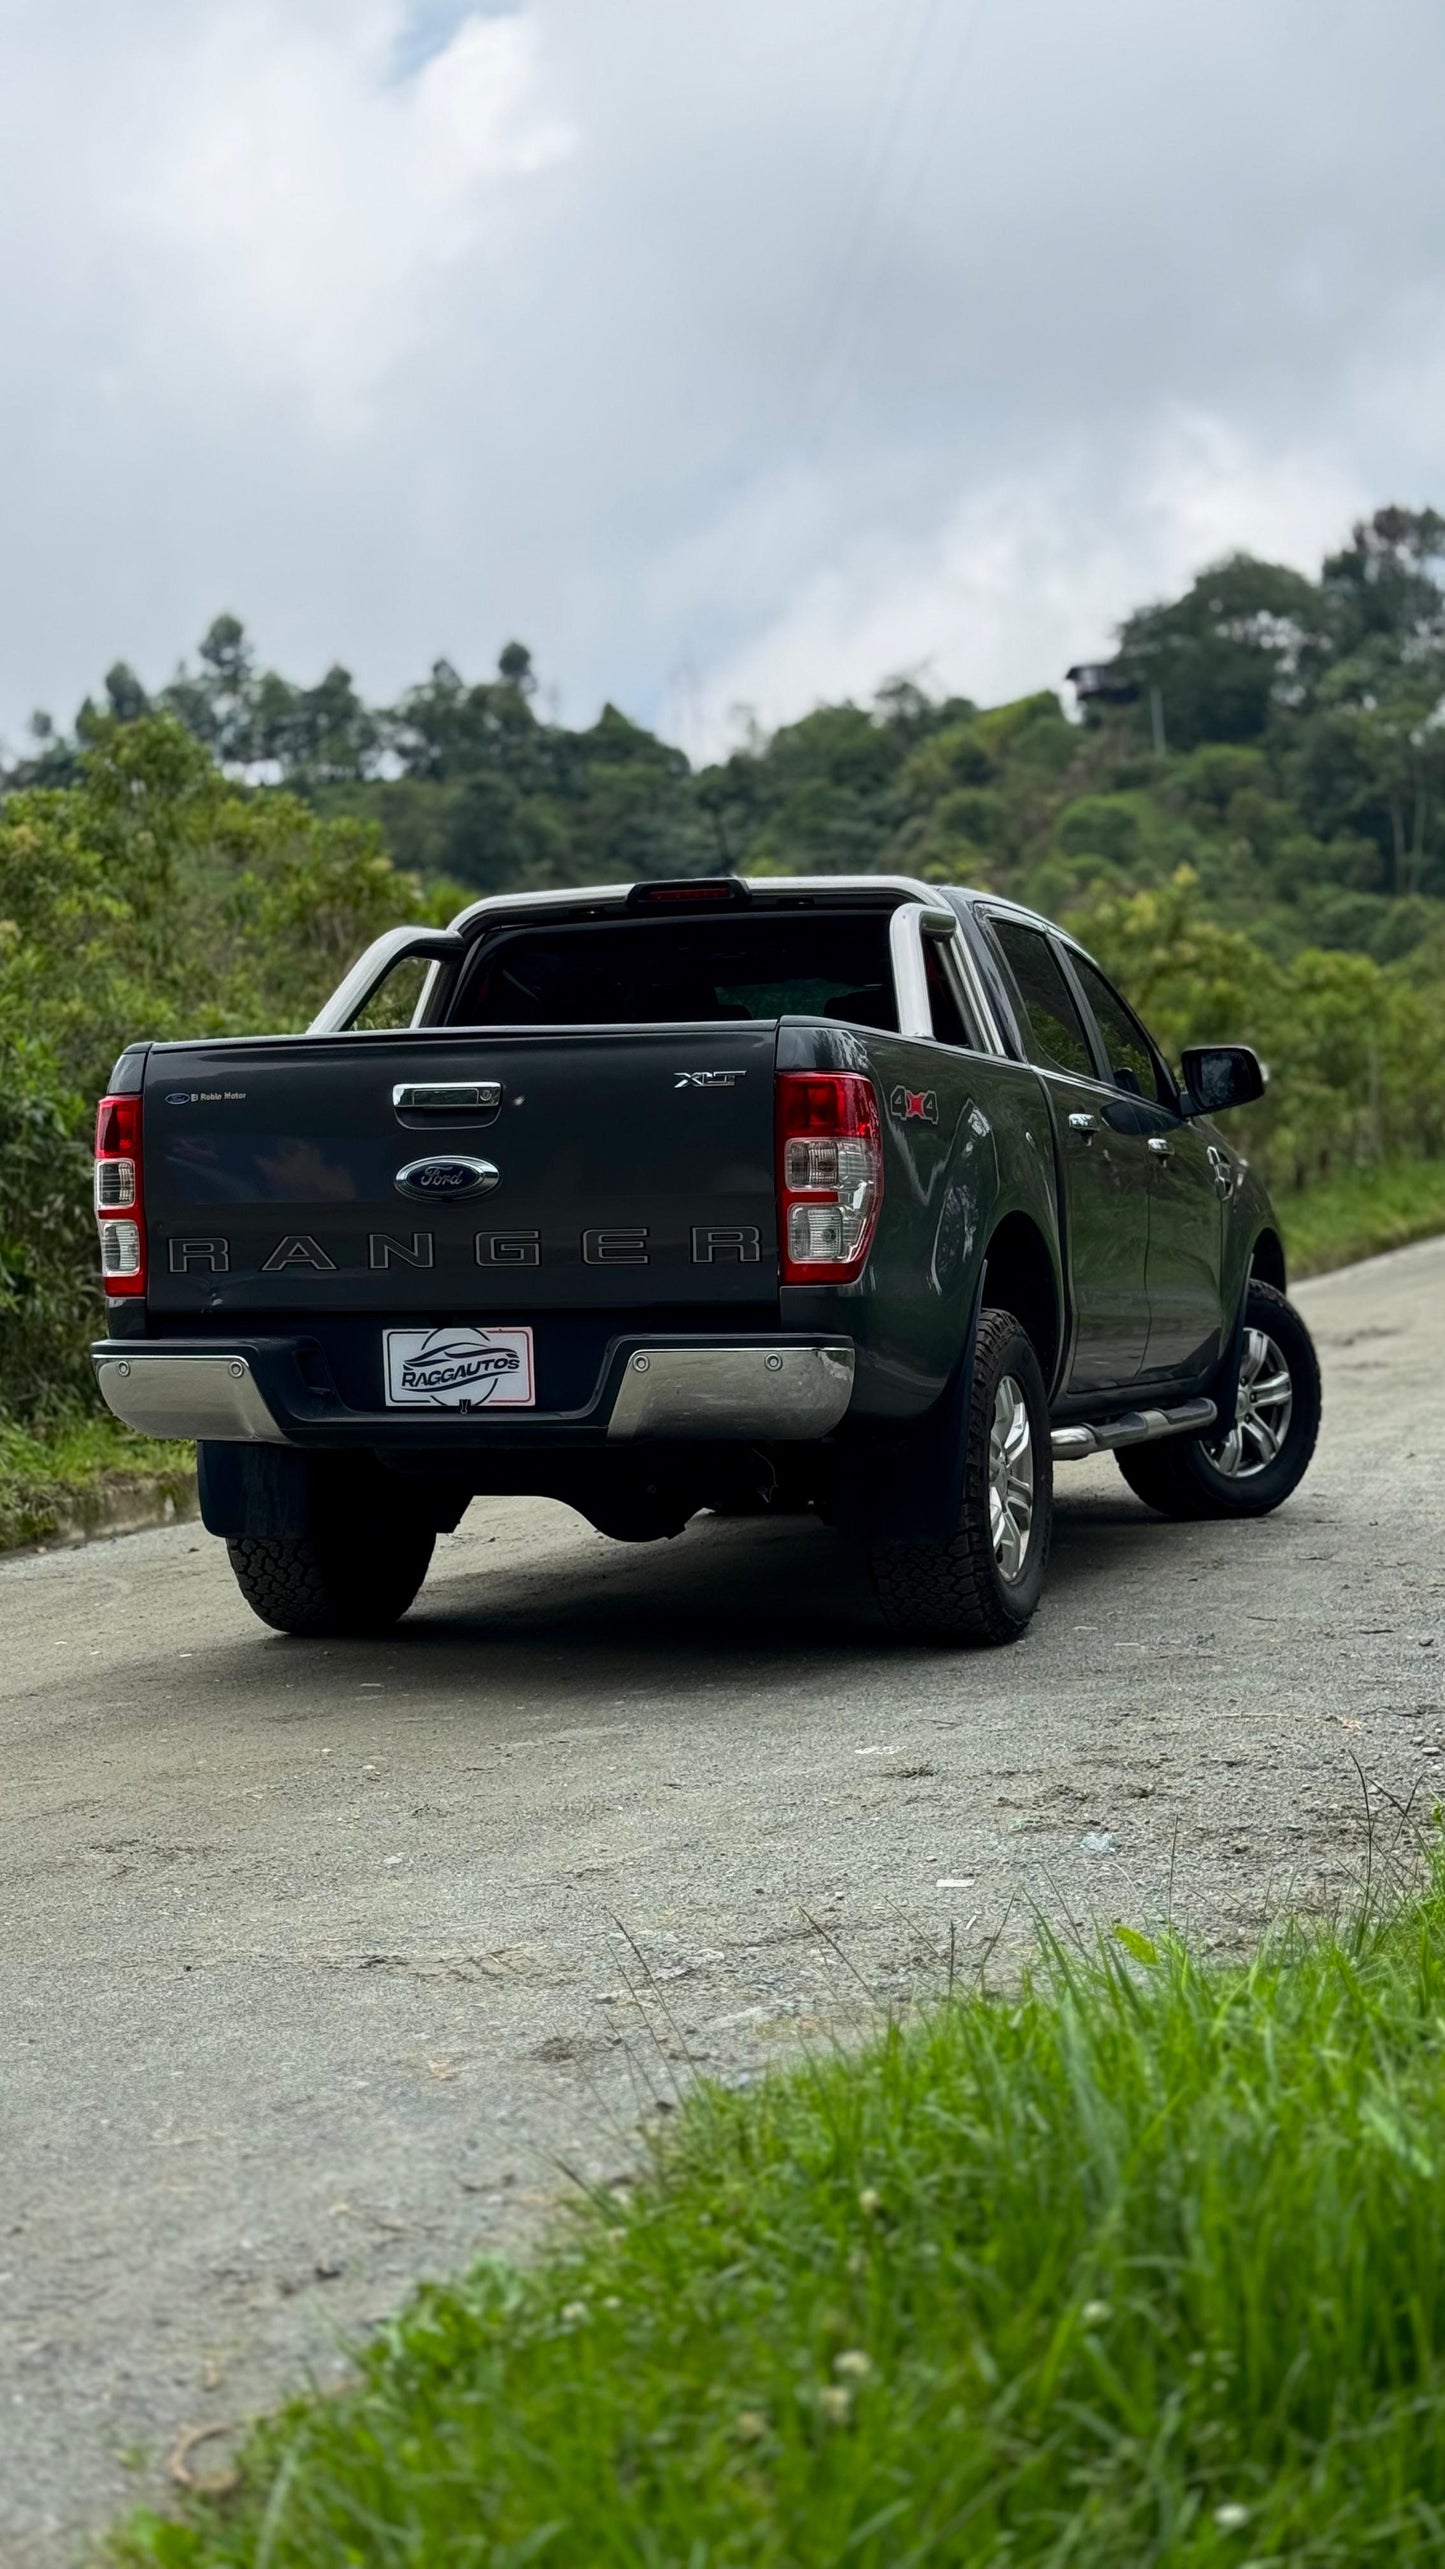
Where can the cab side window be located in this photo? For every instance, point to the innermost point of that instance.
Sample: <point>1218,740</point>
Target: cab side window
<point>1134,1065</point>
<point>1053,1030</point>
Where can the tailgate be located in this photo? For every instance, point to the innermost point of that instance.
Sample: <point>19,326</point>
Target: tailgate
<point>612,1169</point>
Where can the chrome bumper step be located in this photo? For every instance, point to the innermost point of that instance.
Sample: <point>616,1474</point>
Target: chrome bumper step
<point>1131,1427</point>
<point>160,1394</point>
<point>775,1394</point>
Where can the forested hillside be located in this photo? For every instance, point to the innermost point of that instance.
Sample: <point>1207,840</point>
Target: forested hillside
<point>1247,820</point>
<point>1302,776</point>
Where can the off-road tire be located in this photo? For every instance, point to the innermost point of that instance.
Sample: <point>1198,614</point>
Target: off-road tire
<point>1178,1477</point>
<point>955,1593</point>
<point>320,1584</point>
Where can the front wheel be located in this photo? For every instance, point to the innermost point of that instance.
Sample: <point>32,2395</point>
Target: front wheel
<point>982,1585</point>
<point>1259,1459</point>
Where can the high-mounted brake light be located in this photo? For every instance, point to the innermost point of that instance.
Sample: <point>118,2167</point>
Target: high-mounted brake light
<point>118,1207</point>
<point>693,892</point>
<point>830,1174</point>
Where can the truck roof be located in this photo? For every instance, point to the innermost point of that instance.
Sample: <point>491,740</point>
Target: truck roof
<point>886,889</point>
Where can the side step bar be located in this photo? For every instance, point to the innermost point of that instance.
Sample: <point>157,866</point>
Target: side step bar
<point>1132,1427</point>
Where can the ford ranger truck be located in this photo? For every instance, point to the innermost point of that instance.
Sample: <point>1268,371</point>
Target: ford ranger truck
<point>852,1193</point>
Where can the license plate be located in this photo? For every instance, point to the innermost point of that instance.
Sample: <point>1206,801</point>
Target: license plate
<point>459,1369</point>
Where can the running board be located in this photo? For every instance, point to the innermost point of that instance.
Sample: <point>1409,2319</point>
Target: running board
<point>1132,1427</point>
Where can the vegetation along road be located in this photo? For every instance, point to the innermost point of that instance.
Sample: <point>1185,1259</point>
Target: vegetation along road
<point>323,1962</point>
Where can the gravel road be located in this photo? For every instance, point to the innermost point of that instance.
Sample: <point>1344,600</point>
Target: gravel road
<point>322,1963</point>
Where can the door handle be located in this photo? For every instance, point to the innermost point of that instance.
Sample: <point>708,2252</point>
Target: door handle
<point>446,1096</point>
<point>1083,1124</point>
<point>1161,1149</point>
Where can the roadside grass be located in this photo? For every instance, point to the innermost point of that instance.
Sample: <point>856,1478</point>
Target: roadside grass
<point>1361,1213</point>
<point>63,1479</point>
<point>1144,2263</point>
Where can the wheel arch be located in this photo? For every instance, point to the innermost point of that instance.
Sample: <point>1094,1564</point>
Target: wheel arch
<point>1021,1278</point>
<point>1266,1260</point>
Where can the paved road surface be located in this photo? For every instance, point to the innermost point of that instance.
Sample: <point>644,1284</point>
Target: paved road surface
<point>318,1959</point>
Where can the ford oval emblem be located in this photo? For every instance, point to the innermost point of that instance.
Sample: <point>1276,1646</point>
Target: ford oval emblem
<point>447,1177</point>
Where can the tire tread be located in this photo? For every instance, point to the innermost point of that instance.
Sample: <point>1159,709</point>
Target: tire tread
<point>303,1585</point>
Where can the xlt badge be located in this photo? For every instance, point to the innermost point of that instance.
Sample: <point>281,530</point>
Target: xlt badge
<point>707,1078</point>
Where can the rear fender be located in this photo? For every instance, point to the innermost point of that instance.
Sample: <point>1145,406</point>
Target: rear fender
<point>965,1146</point>
<point>908,1488</point>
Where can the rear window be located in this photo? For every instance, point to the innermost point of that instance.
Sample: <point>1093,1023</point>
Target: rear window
<point>715,971</point>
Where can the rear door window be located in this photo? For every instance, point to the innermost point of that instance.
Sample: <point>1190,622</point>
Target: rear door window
<point>1049,1018</point>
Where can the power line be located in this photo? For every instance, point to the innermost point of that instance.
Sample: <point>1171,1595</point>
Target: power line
<point>814,43</point>
<point>943,100</point>
<point>892,115</point>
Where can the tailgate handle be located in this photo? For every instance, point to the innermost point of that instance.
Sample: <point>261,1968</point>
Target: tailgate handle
<point>445,1096</point>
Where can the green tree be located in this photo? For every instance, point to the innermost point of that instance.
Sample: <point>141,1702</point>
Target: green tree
<point>151,898</point>
<point>1228,653</point>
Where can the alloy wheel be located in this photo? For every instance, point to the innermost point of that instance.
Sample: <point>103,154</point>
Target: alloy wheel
<point>1011,1478</point>
<point>1262,1414</point>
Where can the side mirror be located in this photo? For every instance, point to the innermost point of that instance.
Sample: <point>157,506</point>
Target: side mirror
<point>1220,1075</point>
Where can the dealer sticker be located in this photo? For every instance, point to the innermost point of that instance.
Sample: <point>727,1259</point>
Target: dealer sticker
<point>459,1368</point>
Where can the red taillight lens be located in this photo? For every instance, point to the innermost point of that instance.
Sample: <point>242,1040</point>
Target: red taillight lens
<point>830,1174</point>
<point>118,1195</point>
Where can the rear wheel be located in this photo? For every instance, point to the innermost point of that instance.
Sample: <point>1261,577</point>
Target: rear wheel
<point>983,1584</point>
<point>360,1580</point>
<point>1255,1462</point>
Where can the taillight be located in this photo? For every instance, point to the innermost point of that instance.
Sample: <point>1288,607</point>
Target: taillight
<point>118,1207</point>
<point>830,1174</point>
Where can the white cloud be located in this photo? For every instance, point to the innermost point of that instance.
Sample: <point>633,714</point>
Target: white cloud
<point>742,351</point>
<point>311,212</point>
<point>1026,574</point>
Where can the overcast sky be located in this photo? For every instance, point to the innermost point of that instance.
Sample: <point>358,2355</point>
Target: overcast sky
<point>726,351</point>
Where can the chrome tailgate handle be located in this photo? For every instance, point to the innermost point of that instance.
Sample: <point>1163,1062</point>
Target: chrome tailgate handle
<point>446,1096</point>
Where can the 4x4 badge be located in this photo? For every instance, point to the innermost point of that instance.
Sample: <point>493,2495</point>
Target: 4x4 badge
<point>914,1105</point>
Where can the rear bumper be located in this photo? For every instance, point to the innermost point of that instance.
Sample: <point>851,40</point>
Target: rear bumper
<point>258,1392</point>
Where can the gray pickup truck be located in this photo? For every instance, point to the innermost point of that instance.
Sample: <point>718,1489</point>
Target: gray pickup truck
<point>857,1194</point>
